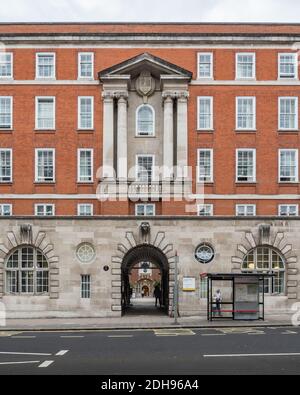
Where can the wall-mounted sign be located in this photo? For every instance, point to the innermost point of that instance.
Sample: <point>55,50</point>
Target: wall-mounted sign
<point>189,284</point>
<point>204,253</point>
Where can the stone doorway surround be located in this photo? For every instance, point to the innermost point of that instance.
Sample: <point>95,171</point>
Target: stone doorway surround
<point>134,241</point>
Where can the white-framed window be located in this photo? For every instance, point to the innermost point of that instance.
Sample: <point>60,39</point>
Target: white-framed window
<point>45,165</point>
<point>203,287</point>
<point>288,113</point>
<point>145,210</point>
<point>85,209</point>
<point>245,210</point>
<point>6,65</point>
<point>245,165</point>
<point>245,66</point>
<point>288,165</point>
<point>5,210</point>
<point>145,120</point>
<point>145,168</point>
<point>287,65</point>
<point>6,111</point>
<point>205,65</point>
<point>205,113</point>
<point>5,165</point>
<point>245,113</point>
<point>288,210</point>
<point>27,272</point>
<point>44,210</point>
<point>205,210</point>
<point>85,286</point>
<point>85,112</point>
<point>45,65</point>
<point>85,165</point>
<point>205,165</point>
<point>45,113</point>
<point>86,65</point>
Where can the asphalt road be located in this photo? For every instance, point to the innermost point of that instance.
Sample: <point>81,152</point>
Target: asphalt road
<point>154,352</point>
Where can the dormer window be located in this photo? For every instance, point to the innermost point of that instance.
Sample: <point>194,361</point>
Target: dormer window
<point>145,125</point>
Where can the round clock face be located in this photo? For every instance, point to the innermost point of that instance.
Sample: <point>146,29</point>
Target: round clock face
<point>205,253</point>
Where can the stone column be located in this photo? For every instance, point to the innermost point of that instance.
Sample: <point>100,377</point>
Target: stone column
<point>182,132</point>
<point>122,151</point>
<point>108,135</point>
<point>168,158</point>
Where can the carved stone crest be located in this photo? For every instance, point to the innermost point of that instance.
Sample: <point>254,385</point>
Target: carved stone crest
<point>145,85</point>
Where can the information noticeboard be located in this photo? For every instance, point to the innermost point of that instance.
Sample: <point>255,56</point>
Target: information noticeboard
<point>189,284</point>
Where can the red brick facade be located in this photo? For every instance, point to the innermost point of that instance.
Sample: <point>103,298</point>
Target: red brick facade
<point>224,140</point>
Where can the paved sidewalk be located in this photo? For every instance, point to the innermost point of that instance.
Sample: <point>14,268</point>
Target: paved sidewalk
<point>134,322</point>
<point>142,315</point>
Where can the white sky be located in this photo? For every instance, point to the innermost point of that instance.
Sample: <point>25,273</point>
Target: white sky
<point>150,10</point>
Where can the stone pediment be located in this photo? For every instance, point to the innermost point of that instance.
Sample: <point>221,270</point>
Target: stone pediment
<point>134,66</point>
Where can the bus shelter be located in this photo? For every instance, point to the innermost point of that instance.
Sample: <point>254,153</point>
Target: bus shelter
<point>242,296</point>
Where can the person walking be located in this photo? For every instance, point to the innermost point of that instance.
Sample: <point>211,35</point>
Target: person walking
<point>157,295</point>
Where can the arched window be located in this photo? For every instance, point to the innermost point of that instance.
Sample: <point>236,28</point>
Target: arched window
<point>267,260</point>
<point>145,121</point>
<point>27,272</point>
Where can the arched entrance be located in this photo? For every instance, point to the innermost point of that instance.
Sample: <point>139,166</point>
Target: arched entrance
<point>133,260</point>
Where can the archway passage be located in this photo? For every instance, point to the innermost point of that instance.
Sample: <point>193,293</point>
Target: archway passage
<point>144,268</point>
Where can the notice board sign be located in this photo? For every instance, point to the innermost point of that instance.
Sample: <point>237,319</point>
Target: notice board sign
<point>189,284</point>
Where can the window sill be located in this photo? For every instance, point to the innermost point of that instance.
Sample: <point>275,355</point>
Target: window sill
<point>285,131</point>
<point>145,136</point>
<point>294,183</point>
<point>245,130</point>
<point>241,79</point>
<point>8,183</point>
<point>89,183</point>
<point>206,183</point>
<point>45,79</point>
<point>45,183</point>
<point>45,130</point>
<point>246,183</point>
<point>205,130</point>
<point>86,130</point>
<point>6,130</point>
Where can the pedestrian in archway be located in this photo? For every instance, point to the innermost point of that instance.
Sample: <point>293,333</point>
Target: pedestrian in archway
<point>157,295</point>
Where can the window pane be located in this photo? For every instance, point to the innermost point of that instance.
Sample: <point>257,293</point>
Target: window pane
<point>12,282</point>
<point>288,166</point>
<point>145,121</point>
<point>85,287</point>
<point>86,113</point>
<point>86,65</point>
<point>288,64</point>
<point>288,113</point>
<point>245,113</point>
<point>5,166</point>
<point>205,113</point>
<point>45,68</point>
<point>205,166</point>
<point>145,169</point>
<point>205,66</point>
<point>245,166</point>
<point>42,282</point>
<point>5,65</point>
<point>45,166</point>
<point>245,66</point>
<point>85,166</point>
<point>5,112</point>
<point>45,113</point>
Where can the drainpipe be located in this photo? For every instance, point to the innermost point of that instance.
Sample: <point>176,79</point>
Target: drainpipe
<point>175,302</point>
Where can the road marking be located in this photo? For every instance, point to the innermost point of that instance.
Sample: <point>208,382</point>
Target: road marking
<point>72,337</point>
<point>22,353</point>
<point>290,333</point>
<point>9,334</point>
<point>173,332</point>
<point>19,363</point>
<point>241,331</point>
<point>61,353</point>
<point>120,336</point>
<point>214,334</point>
<point>256,334</point>
<point>252,355</point>
<point>46,364</point>
<point>23,337</point>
